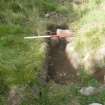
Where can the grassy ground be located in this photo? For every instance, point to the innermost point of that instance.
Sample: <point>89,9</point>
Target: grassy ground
<point>21,60</point>
<point>90,28</point>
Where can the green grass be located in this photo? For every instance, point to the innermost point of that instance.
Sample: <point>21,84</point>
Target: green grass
<point>21,60</point>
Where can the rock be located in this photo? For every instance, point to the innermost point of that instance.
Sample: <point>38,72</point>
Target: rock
<point>73,56</point>
<point>77,1</point>
<point>14,97</point>
<point>100,56</point>
<point>95,104</point>
<point>87,91</point>
<point>56,18</point>
<point>89,62</point>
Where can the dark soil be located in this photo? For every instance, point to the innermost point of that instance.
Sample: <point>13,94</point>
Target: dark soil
<point>59,68</point>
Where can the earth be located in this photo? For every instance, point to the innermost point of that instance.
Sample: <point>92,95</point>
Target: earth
<point>59,68</point>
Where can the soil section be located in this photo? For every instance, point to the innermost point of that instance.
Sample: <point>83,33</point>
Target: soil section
<point>59,68</point>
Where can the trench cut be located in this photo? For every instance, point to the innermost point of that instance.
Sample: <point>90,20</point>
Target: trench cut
<point>59,68</point>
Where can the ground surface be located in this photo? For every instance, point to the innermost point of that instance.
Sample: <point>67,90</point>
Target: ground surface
<point>59,68</point>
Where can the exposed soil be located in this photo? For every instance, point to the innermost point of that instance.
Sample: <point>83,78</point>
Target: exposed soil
<point>59,68</point>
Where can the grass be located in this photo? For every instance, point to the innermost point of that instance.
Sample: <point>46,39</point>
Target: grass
<point>56,94</point>
<point>21,60</point>
<point>90,31</point>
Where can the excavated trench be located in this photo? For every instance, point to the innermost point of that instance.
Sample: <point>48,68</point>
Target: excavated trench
<point>59,68</point>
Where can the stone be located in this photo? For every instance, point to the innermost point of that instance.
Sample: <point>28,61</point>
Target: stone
<point>87,91</point>
<point>73,56</point>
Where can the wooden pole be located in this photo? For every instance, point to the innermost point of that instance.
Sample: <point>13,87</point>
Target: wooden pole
<point>37,37</point>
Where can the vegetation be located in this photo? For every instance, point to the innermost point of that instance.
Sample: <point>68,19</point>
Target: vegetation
<point>21,61</point>
<point>89,42</point>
